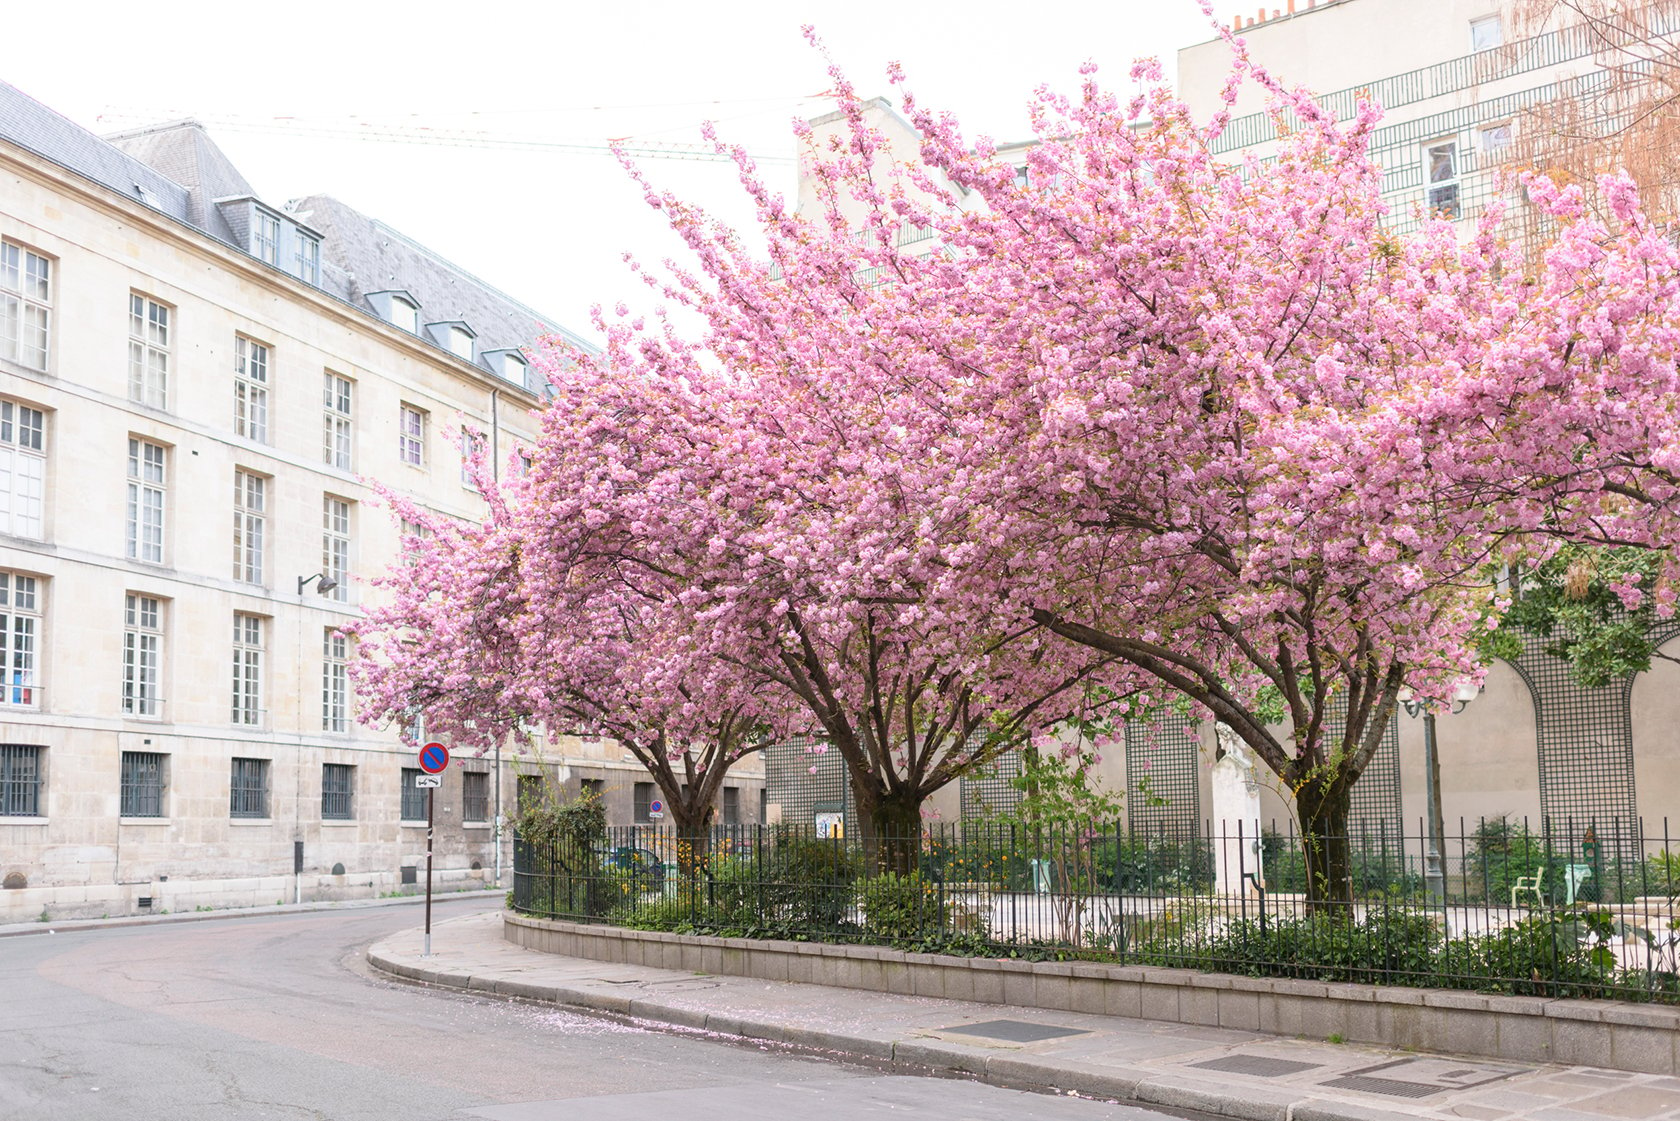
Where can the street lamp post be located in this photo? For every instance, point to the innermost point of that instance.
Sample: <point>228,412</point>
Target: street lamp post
<point>1434,870</point>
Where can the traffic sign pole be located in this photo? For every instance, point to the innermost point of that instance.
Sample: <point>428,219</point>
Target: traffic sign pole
<point>431,797</point>
<point>434,759</point>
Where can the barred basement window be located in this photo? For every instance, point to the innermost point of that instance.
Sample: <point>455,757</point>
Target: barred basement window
<point>338,784</point>
<point>413,798</point>
<point>248,795</point>
<point>475,796</point>
<point>20,780</point>
<point>142,784</point>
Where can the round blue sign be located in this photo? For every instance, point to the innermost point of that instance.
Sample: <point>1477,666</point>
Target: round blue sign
<point>434,757</point>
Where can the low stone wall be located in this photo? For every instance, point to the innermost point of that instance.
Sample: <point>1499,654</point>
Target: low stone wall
<point>1636,1037</point>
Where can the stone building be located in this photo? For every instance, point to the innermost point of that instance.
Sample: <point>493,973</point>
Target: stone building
<point>198,391</point>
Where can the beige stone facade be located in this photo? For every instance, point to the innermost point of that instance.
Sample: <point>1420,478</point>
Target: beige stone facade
<point>176,727</point>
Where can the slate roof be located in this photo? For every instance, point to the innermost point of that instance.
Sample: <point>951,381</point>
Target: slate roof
<point>178,170</point>
<point>364,255</point>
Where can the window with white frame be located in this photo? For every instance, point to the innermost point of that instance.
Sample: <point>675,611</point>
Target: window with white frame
<point>23,469</point>
<point>268,237</point>
<point>250,526</point>
<point>142,655</point>
<point>20,639</point>
<point>1441,175</point>
<point>247,669</point>
<point>25,305</point>
<point>335,401</point>
<point>472,446</point>
<point>335,545</point>
<point>411,435</point>
<point>145,501</point>
<point>148,351</point>
<point>405,315</point>
<point>461,343</point>
<point>1486,33</point>
<point>250,389</point>
<point>335,681</point>
<point>307,262</point>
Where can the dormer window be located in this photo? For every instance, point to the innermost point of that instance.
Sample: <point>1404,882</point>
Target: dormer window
<point>460,342</point>
<point>308,259</point>
<point>405,315</point>
<point>268,237</point>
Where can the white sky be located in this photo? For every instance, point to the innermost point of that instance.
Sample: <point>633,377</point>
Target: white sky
<point>551,227</point>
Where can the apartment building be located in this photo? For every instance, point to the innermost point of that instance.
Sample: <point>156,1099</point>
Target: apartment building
<point>199,392</point>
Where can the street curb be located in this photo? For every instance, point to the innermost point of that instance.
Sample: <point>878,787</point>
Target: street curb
<point>1144,1087</point>
<point>70,926</point>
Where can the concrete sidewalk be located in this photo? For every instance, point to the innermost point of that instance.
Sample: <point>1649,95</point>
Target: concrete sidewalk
<point>1213,1070</point>
<point>67,926</point>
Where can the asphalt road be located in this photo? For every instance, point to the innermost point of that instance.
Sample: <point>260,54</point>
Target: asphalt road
<point>279,1017</point>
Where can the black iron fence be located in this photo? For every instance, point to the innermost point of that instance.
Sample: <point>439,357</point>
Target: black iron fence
<point>1500,905</point>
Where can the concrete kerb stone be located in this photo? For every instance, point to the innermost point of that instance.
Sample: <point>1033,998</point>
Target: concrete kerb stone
<point>1516,1028</point>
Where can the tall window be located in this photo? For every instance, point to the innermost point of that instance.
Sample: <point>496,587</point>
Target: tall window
<point>248,788</point>
<point>413,798</point>
<point>335,681</point>
<point>25,305</point>
<point>335,544</point>
<point>20,637</point>
<point>247,669</point>
<point>411,435</point>
<point>148,351</point>
<point>142,655</point>
<point>472,446</point>
<point>142,784</point>
<point>20,780</point>
<point>338,788</point>
<point>23,469</point>
<point>250,389</point>
<point>268,238</point>
<point>475,796</point>
<point>250,525</point>
<point>308,260</point>
<point>643,802</point>
<point>1440,164</point>
<point>145,501</point>
<point>336,434</point>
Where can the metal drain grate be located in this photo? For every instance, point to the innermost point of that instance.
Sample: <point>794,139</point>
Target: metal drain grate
<point>1258,1065</point>
<point>1419,1078</point>
<point>1014,1031</point>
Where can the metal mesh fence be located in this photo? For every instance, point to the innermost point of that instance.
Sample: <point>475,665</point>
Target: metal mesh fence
<point>1163,778</point>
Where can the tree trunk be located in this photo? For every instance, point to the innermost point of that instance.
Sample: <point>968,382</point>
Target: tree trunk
<point>892,831</point>
<point>694,837</point>
<point>1325,807</point>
